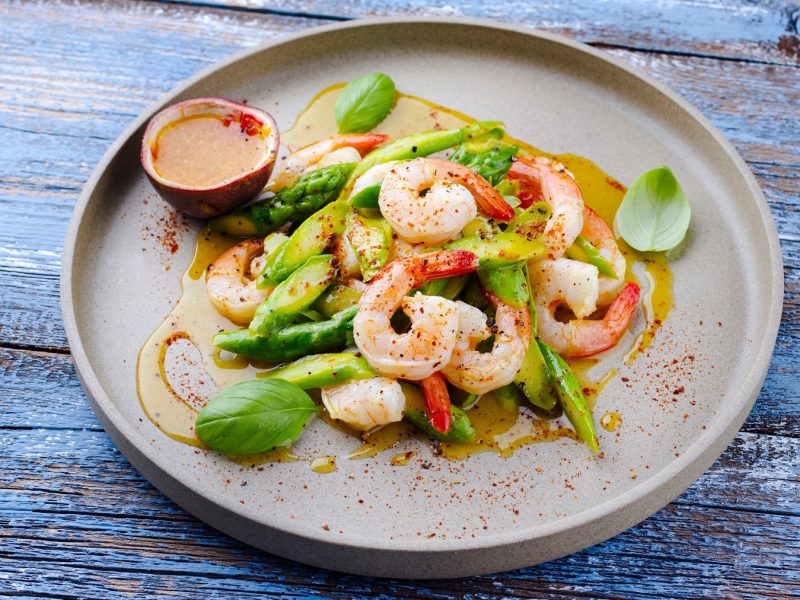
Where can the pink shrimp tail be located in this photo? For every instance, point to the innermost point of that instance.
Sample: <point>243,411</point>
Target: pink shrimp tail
<point>430,265</point>
<point>488,199</point>
<point>363,142</point>
<point>493,204</point>
<point>443,263</point>
<point>622,308</point>
<point>611,327</point>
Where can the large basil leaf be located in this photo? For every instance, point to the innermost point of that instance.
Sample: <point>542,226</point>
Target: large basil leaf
<point>364,102</point>
<point>654,214</point>
<point>254,416</point>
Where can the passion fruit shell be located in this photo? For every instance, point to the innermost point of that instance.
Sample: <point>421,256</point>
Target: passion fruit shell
<point>211,201</point>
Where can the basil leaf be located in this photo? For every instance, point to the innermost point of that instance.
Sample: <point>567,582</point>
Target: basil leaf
<point>364,102</point>
<point>654,214</point>
<point>254,416</point>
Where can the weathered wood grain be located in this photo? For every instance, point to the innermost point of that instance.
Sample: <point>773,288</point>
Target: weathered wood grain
<point>105,556</point>
<point>735,29</point>
<point>71,503</point>
<point>76,520</point>
<point>44,161</point>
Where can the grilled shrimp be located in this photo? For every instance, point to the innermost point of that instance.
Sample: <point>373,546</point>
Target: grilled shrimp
<point>480,372</point>
<point>230,281</point>
<point>431,200</point>
<point>428,344</point>
<point>365,403</point>
<point>600,235</point>
<point>575,284</point>
<point>330,151</point>
<point>552,182</point>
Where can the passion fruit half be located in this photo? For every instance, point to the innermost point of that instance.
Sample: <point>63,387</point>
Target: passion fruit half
<point>207,156</point>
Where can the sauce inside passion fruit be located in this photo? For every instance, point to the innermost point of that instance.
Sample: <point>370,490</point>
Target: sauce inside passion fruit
<point>181,149</point>
<point>208,156</point>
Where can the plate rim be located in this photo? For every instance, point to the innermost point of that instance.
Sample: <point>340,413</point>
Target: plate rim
<point>685,469</point>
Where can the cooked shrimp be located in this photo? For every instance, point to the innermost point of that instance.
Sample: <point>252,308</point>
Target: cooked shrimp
<point>489,200</point>
<point>230,281</point>
<point>428,344</point>
<point>557,186</point>
<point>600,235</point>
<point>575,284</point>
<point>424,205</point>
<point>330,151</point>
<point>431,200</point>
<point>564,281</point>
<point>365,403</point>
<point>480,372</point>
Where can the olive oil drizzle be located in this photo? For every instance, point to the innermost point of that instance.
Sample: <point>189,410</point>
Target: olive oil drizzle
<point>498,430</point>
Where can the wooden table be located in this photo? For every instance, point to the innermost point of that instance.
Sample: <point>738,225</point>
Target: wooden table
<point>76,520</point>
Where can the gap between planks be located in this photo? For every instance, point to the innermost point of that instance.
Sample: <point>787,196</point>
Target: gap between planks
<point>310,14</point>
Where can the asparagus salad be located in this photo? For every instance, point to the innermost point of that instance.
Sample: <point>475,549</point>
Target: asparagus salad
<point>410,278</point>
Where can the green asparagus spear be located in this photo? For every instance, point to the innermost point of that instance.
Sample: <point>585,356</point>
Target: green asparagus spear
<point>491,160</point>
<point>509,285</point>
<point>322,370</point>
<point>531,222</point>
<point>293,341</point>
<point>508,187</point>
<point>309,314</point>
<point>474,296</point>
<point>292,204</point>
<point>509,397</point>
<point>446,287</point>
<point>335,299</point>
<point>293,295</point>
<point>461,430</point>
<point>367,198</point>
<point>370,239</point>
<point>453,286</point>
<point>501,250</point>
<point>533,379</point>
<point>480,226</point>
<point>585,251</point>
<point>571,395</point>
<point>310,239</point>
<point>421,144</point>
<point>272,244</point>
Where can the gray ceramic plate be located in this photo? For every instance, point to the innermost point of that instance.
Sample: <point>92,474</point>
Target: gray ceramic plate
<point>484,514</point>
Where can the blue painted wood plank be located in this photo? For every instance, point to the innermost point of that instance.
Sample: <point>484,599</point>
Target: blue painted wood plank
<point>85,524</point>
<point>81,470</point>
<point>743,552</point>
<point>735,29</point>
<point>64,490</point>
<point>56,125</point>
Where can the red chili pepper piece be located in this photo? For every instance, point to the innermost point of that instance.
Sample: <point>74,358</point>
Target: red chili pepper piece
<point>437,402</point>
